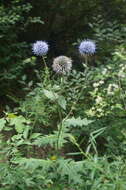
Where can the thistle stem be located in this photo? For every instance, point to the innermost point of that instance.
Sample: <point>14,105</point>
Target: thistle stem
<point>60,116</point>
<point>43,58</point>
<point>46,78</point>
<point>86,60</point>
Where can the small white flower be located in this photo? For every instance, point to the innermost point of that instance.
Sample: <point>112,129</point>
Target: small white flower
<point>95,84</point>
<point>101,82</point>
<point>99,110</point>
<point>104,71</point>
<point>98,99</point>
<point>112,88</point>
<point>121,74</point>
<point>109,67</point>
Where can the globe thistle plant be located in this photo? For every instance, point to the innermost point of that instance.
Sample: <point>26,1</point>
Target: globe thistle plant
<point>87,47</point>
<point>62,65</point>
<point>40,48</point>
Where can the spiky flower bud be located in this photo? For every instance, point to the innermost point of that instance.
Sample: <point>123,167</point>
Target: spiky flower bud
<point>62,65</point>
<point>40,48</point>
<point>87,47</point>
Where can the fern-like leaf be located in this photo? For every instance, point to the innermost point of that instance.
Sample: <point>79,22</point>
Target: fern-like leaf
<point>77,122</point>
<point>31,164</point>
<point>73,170</point>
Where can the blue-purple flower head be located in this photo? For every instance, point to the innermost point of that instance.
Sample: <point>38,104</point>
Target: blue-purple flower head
<point>87,47</point>
<point>40,48</point>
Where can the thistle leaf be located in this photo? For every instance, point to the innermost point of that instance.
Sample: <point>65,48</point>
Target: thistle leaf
<point>50,95</point>
<point>77,122</point>
<point>62,102</point>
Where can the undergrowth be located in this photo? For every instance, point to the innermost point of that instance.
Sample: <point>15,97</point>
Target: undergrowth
<point>69,133</point>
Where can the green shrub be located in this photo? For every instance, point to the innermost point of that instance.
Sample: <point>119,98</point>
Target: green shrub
<point>13,48</point>
<point>69,133</point>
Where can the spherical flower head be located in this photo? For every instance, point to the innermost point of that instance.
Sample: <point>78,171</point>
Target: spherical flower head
<point>40,48</point>
<point>87,47</point>
<point>62,65</point>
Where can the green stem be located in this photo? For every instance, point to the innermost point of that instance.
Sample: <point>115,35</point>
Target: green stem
<point>59,133</point>
<point>46,77</point>
<point>67,116</point>
<point>85,64</point>
<point>43,58</point>
<point>60,115</point>
<point>80,149</point>
<point>75,102</point>
<point>86,60</point>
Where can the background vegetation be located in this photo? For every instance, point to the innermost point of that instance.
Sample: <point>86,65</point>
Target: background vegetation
<point>64,133</point>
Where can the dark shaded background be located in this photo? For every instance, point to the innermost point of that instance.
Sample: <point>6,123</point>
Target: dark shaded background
<point>60,22</point>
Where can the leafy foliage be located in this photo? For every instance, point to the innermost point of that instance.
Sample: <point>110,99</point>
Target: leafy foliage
<point>68,131</point>
<point>13,48</point>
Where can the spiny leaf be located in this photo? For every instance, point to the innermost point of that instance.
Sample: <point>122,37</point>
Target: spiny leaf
<point>51,95</point>
<point>45,140</point>
<point>62,102</point>
<point>35,135</point>
<point>32,163</point>
<point>77,122</point>
<point>52,139</point>
<point>18,122</point>
<point>72,169</point>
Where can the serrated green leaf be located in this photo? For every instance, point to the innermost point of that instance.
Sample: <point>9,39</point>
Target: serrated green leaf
<point>28,60</point>
<point>77,122</point>
<point>26,132</point>
<point>62,102</point>
<point>70,168</point>
<point>18,123</point>
<point>35,135</point>
<point>31,163</point>
<point>51,95</point>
